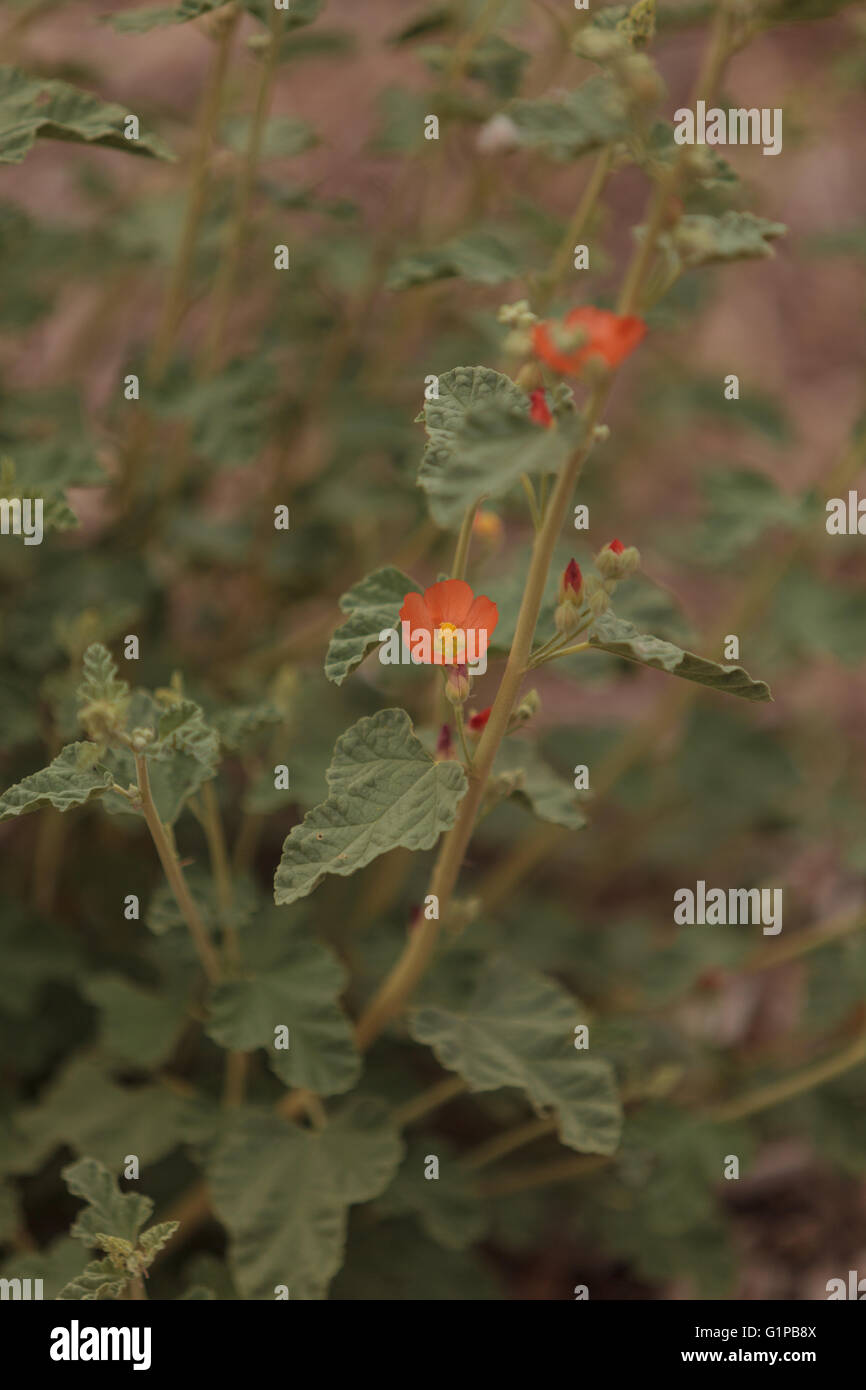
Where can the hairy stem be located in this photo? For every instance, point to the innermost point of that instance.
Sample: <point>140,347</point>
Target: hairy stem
<point>174,874</point>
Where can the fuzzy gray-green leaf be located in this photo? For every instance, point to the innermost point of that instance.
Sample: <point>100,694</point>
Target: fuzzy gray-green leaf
<point>481,440</point>
<point>284,1193</point>
<point>385,791</point>
<point>518,1030</point>
<point>373,605</point>
<point>108,1211</point>
<point>74,777</point>
<point>611,634</point>
<point>294,982</point>
<point>33,107</point>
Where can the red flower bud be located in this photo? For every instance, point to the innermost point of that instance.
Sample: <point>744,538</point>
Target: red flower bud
<point>616,546</point>
<point>571,583</point>
<point>477,722</point>
<point>539,410</point>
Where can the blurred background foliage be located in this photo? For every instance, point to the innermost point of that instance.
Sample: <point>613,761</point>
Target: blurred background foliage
<point>262,387</point>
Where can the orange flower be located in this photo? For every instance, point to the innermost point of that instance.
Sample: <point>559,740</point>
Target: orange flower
<point>598,333</point>
<point>457,624</point>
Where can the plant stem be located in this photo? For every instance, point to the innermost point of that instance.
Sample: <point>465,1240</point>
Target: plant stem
<point>510,1139</point>
<point>806,1080</point>
<point>135,1289</point>
<point>428,1100</point>
<point>583,212</point>
<point>175,296</point>
<point>569,651</point>
<point>464,540</point>
<point>227,273</point>
<point>400,983</point>
<point>526,484</point>
<point>211,823</point>
<point>705,84</point>
<point>564,1169</point>
<point>461,734</point>
<point>174,875</point>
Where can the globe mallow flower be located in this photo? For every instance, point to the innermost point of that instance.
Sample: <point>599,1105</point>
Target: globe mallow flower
<point>449,625</point>
<point>587,334</point>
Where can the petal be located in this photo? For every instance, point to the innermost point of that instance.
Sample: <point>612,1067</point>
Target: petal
<point>449,601</point>
<point>416,613</point>
<point>482,616</point>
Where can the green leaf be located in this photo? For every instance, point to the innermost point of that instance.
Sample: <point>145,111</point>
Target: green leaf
<point>228,415</point>
<point>386,791</point>
<point>100,680</point>
<point>518,1030</point>
<point>155,1238</point>
<point>91,1113</point>
<point>481,439</point>
<point>658,151</point>
<point>283,137</point>
<point>10,1212</point>
<point>593,115</point>
<point>55,1264</point>
<point>810,614</point>
<point>482,257</point>
<point>658,1205</point>
<point>447,1207</point>
<point>700,239</point>
<point>33,951</point>
<point>392,1261</point>
<point>182,729</point>
<point>73,778</point>
<point>536,784</point>
<point>32,107</point>
<point>743,504</point>
<point>611,634</point>
<point>99,1280</point>
<point>157,16</point>
<point>138,1025</point>
<point>296,983</point>
<point>373,605</point>
<point>109,1212</point>
<point>283,1193</point>
<point>493,61</point>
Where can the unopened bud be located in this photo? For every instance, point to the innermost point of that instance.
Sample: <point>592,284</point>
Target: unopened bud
<point>571,584</point>
<point>141,739</point>
<point>616,561</point>
<point>518,315</point>
<point>458,684</point>
<point>529,705</point>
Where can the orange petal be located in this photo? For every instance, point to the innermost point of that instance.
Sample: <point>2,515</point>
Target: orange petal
<point>482,616</point>
<point>449,601</point>
<point>416,613</point>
